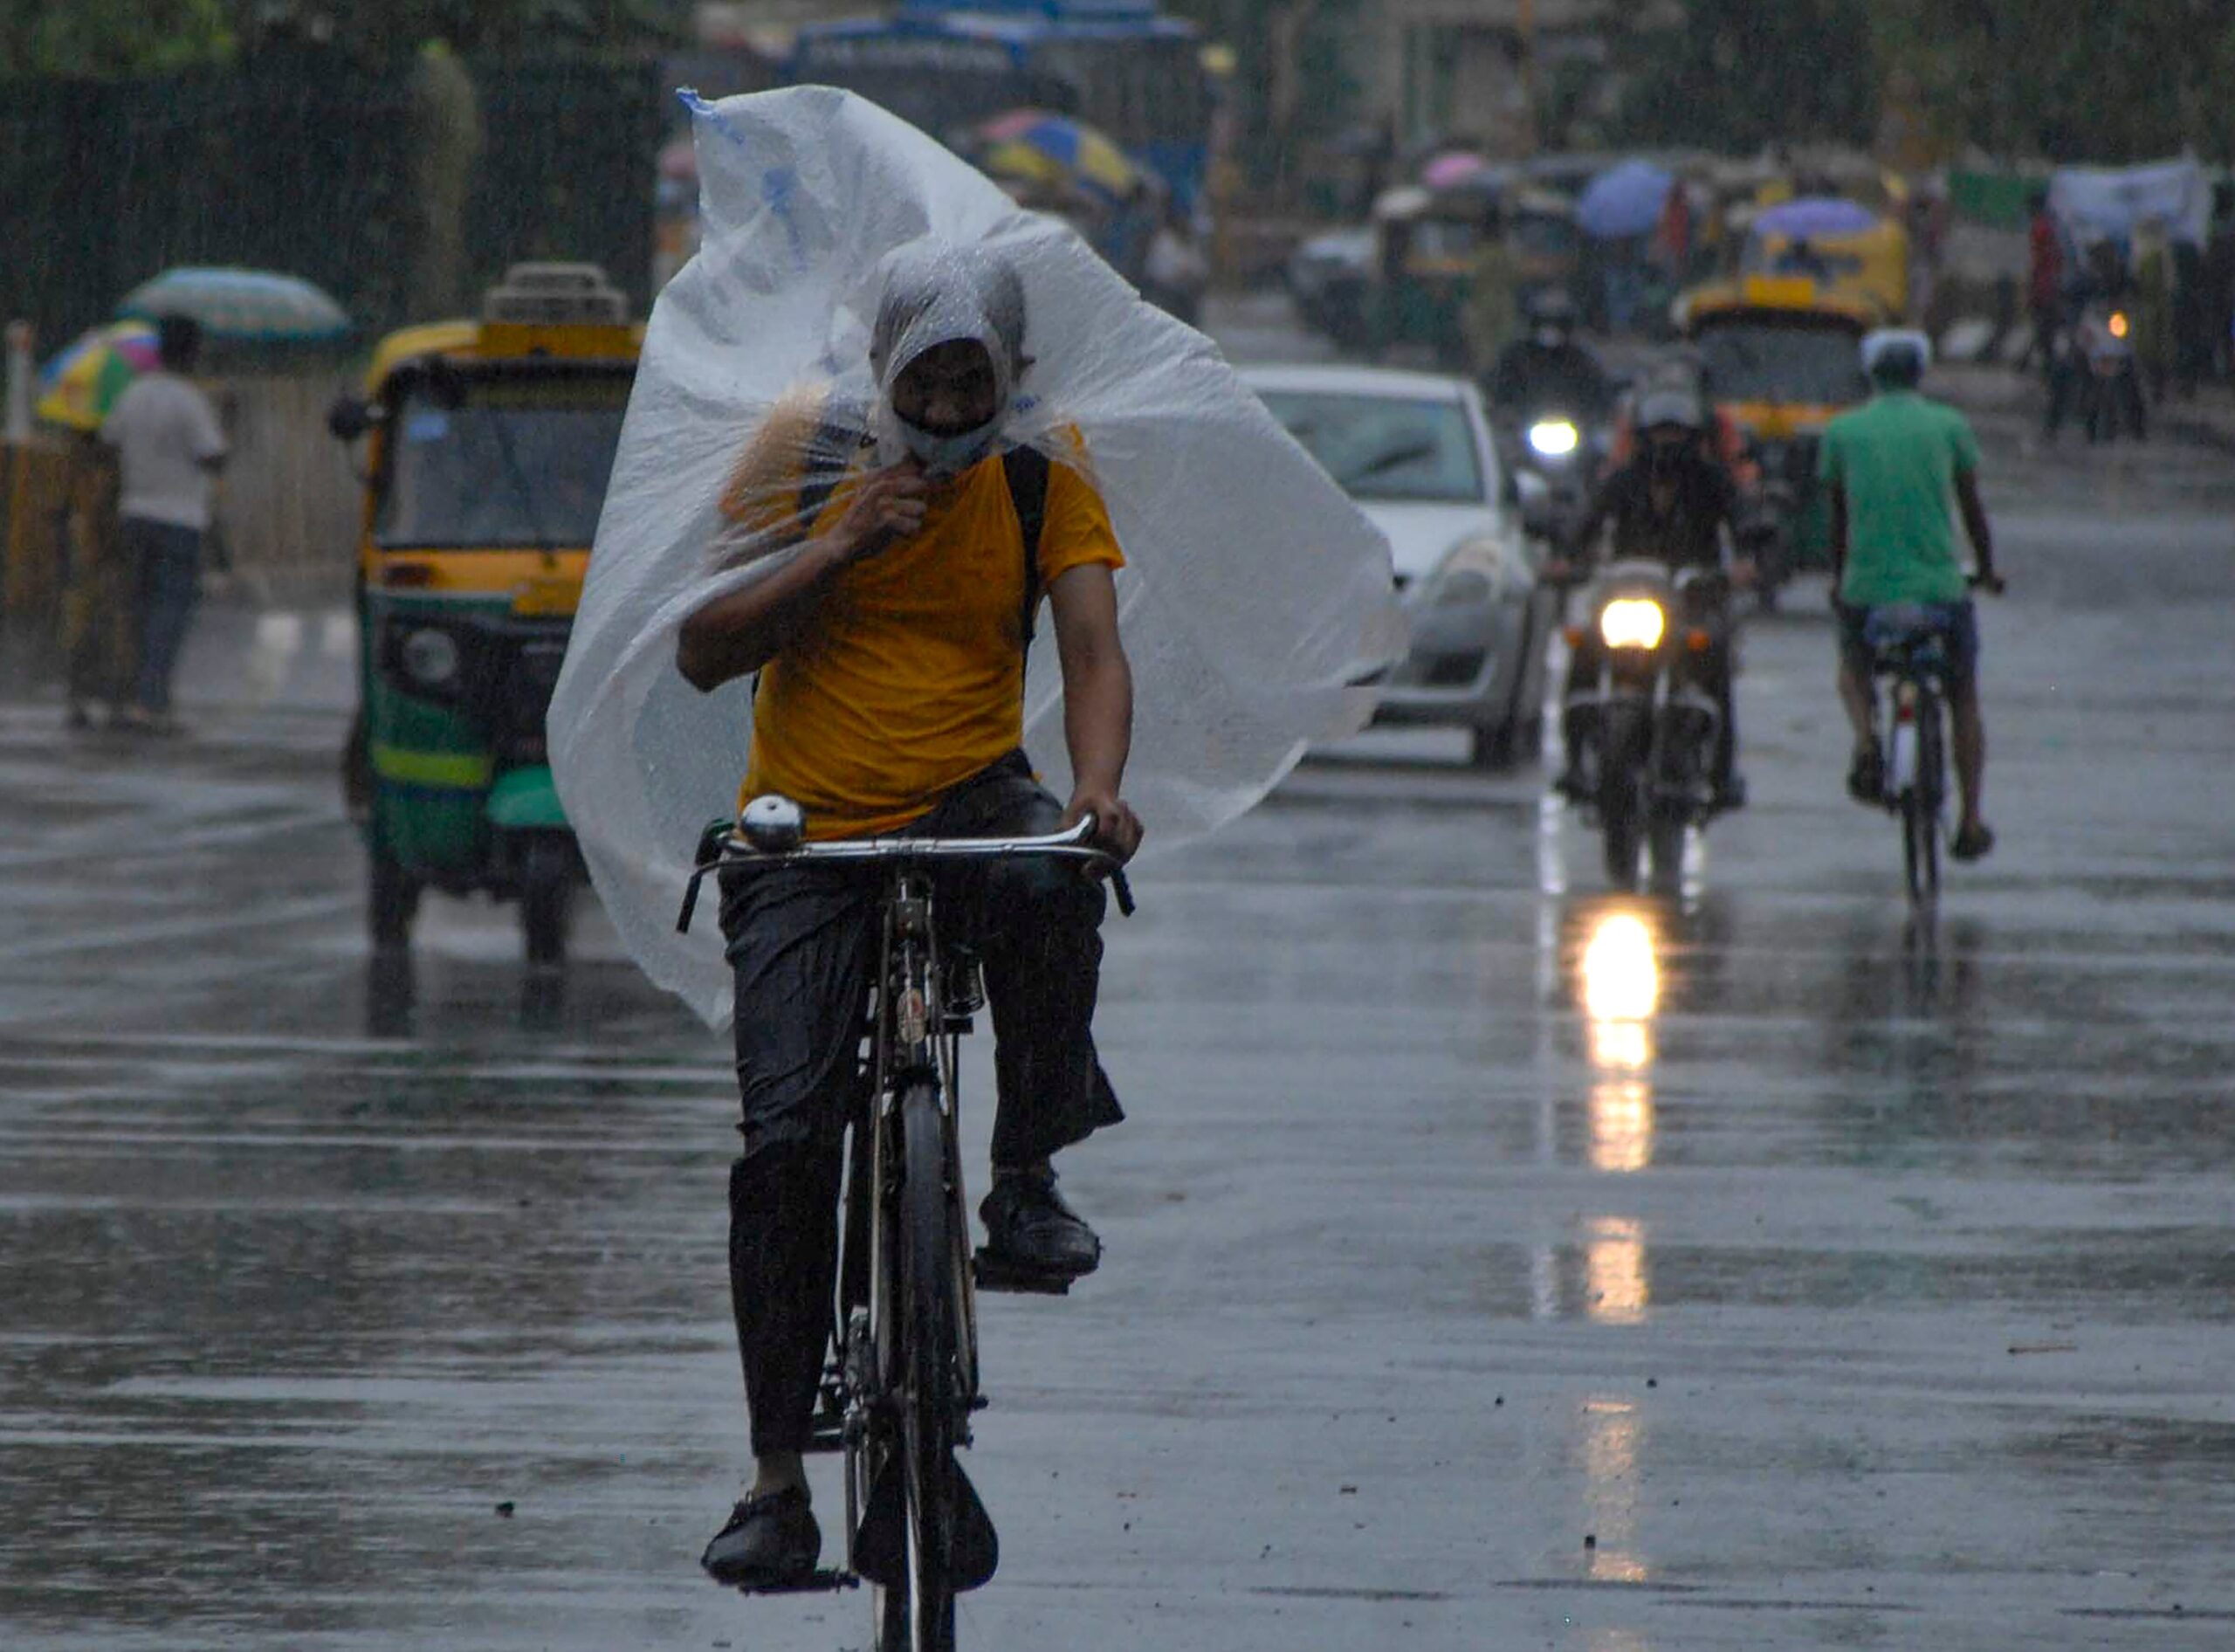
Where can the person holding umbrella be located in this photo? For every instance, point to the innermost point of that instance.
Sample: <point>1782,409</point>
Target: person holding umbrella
<point>168,450</point>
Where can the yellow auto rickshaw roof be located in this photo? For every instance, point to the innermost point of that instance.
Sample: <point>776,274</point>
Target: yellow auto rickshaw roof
<point>490,341</point>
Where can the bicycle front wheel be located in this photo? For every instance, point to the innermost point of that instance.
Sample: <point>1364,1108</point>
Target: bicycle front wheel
<point>1920,808</point>
<point>920,1613</point>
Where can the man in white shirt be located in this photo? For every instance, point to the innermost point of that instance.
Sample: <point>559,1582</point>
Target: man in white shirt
<point>169,448</point>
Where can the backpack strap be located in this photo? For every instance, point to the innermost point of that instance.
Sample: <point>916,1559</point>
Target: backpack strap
<point>1026,471</point>
<point>831,453</point>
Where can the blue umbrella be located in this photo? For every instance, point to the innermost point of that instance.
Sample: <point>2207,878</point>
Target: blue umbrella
<point>1813,217</point>
<point>256,307</point>
<point>1623,200</point>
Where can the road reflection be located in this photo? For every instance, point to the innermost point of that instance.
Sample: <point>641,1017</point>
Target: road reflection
<point>1619,986</point>
<point>1612,1434</point>
<point>1616,981</point>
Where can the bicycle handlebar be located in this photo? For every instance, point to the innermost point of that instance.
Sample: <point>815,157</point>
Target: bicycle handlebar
<point>732,851</point>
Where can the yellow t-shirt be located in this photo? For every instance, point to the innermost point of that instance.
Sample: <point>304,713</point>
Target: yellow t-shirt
<point>910,678</point>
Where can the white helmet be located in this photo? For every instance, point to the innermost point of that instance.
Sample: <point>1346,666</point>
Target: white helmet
<point>1664,405</point>
<point>1885,343</point>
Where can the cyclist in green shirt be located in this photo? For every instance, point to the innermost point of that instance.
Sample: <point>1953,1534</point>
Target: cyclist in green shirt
<point>1893,467</point>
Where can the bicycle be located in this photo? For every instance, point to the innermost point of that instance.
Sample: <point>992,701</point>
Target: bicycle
<point>903,1383</point>
<point>1909,644</point>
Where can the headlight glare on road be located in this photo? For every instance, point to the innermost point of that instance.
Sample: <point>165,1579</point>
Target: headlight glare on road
<point>1553,438</point>
<point>1632,622</point>
<point>429,657</point>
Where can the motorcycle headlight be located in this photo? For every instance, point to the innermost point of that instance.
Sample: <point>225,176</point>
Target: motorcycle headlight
<point>2120,327</point>
<point>1553,438</point>
<point>429,657</point>
<point>1632,622</point>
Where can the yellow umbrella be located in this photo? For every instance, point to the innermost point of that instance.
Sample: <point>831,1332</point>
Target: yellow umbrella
<point>1047,148</point>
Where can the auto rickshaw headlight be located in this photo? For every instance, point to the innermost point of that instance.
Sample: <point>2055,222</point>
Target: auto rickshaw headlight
<point>429,657</point>
<point>1632,622</point>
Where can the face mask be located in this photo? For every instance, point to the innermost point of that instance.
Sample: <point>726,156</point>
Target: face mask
<point>1551,337</point>
<point>947,456</point>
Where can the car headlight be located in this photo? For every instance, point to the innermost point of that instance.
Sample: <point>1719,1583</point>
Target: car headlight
<point>1632,622</point>
<point>1553,438</point>
<point>429,657</point>
<point>1477,572</point>
<point>1461,587</point>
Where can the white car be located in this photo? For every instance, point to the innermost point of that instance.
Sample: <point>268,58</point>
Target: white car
<point>1414,451</point>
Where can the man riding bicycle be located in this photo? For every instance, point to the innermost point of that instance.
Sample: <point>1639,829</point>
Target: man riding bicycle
<point>1892,467</point>
<point>1673,502</point>
<point>888,653</point>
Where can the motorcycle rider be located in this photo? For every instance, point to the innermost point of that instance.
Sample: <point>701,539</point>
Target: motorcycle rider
<point>1891,466</point>
<point>1546,370</point>
<point>1673,502</point>
<point>887,654</point>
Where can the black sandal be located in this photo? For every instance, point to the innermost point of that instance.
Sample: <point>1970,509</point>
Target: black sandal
<point>1867,775</point>
<point>1972,843</point>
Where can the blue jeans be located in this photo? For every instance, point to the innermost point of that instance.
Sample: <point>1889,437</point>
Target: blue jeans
<point>1958,622</point>
<point>168,562</point>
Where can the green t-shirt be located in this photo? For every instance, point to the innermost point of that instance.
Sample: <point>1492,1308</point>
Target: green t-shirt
<point>1898,457</point>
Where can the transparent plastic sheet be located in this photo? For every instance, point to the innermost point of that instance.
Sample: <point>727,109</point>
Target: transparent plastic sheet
<point>1255,596</point>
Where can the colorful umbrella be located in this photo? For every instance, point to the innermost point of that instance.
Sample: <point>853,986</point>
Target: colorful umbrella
<point>1034,144</point>
<point>1623,200</point>
<point>79,386</point>
<point>257,307</point>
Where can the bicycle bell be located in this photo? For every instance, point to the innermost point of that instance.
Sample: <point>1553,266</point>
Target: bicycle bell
<point>771,825</point>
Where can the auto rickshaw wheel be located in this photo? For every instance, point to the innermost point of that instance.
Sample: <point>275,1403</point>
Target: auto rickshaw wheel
<point>392,901</point>
<point>547,900</point>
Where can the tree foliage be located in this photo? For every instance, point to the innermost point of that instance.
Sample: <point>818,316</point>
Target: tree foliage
<point>113,39</point>
<point>1736,75</point>
<point>109,39</point>
<point>2068,80</point>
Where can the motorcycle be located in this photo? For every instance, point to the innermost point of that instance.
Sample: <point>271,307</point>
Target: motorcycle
<point>2111,383</point>
<point>1643,736</point>
<point>1558,446</point>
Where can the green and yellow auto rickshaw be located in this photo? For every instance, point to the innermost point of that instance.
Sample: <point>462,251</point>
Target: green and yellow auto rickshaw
<point>1545,242</point>
<point>1426,247</point>
<point>1781,358</point>
<point>488,444</point>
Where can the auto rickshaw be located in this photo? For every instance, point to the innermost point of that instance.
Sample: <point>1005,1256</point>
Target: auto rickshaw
<point>1426,244</point>
<point>1546,244</point>
<point>488,445</point>
<point>1781,358</point>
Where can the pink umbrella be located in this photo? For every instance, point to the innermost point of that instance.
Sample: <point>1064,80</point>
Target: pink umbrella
<point>1449,171</point>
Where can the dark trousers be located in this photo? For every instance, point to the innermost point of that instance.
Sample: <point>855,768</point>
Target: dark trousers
<point>166,561</point>
<point>803,943</point>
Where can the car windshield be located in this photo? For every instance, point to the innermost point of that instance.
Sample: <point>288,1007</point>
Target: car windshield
<point>520,463</point>
<point>1768,361</point>
<point>1385,447</point>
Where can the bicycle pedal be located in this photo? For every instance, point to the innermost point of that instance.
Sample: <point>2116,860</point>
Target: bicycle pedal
<point>998,1273</point>
<point>825,1581</point>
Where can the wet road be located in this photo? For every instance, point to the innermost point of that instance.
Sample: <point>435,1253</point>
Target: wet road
<point>1492,1262</point>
